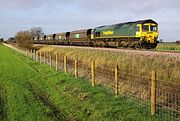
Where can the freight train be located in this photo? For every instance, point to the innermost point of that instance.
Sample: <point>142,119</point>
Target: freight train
<point>136,34</point>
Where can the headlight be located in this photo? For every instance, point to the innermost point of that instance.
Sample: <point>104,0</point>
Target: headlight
<point>143,37</point>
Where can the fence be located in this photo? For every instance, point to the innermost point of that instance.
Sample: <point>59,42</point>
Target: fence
<point>156,96</point>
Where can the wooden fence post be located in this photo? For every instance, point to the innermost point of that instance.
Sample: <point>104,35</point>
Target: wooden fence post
<point>65,64</point>
<point>153,93</point>
<point>116,81</point>
<point>76,68</point>
<point>92,70</point>
<point>40,56</point>
<point>37,55</point>
<point>31,53</point>
<point>50,61</point>
<point>56,62</point>
<point>26,53</point>
<point>44,58</point>
<point>34,54</point>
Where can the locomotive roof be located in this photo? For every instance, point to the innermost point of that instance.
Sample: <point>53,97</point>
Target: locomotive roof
<point>136,22</point>
<point>139,22</point>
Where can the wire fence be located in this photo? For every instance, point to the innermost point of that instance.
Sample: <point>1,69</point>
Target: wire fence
<point>158,97</point>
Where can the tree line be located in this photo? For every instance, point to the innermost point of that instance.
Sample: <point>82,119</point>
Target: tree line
<point>1,39</point>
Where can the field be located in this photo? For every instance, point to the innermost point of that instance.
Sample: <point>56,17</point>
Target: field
<point>168,46</point>
<point>135,69</point>
<point>133,62</point>
<point>32,91</point>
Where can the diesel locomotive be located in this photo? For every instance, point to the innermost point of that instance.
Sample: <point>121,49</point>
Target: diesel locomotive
<point>137,34</point>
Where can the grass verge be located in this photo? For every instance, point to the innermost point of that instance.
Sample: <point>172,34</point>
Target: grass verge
<point>168,46</point>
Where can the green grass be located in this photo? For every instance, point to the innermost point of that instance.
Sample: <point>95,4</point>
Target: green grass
<point>33,92</point>
<point>168,46</point>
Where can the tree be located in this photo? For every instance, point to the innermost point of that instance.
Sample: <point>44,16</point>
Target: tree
<point>1,39</point>
<point>178,42</point>
<point>161,40</point>
<point>24,39</point>
<point>11,39</point>
<point>36,31</point>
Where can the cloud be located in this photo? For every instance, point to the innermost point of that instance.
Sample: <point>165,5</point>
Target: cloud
<point>96,5</point>
<point>19,4</point>
<point>134,6</point>
<point>66,15</point>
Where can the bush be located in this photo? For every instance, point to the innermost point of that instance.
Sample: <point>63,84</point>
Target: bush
<point>24,39</point>
<point>178,42</point>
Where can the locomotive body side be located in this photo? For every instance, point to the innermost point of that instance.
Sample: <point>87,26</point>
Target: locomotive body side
<point>141,34</point>
<point>115,35</point>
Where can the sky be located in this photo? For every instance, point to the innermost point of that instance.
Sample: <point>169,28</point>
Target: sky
<point>55,16</point>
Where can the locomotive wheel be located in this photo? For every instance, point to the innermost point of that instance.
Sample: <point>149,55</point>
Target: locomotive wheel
<point>153,45</point>
<point>106,45</point>
<point>91,44</point>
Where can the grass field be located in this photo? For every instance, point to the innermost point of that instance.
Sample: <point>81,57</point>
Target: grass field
<point>167,68</point>
<point>168,46</point>
<point>33,92</point>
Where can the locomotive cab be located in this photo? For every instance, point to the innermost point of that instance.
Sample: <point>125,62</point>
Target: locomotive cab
<point>148,34</point>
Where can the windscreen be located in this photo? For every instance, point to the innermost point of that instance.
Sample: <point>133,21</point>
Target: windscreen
<point>145,28</point>
<point>153,28</point>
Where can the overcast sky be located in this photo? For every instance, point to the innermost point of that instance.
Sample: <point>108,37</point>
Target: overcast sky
<point>56,16</point>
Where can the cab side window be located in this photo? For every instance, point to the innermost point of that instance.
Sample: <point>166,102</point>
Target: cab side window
<point>153,28</point>
<point>145,28</point>
<point>138,28</point>
<point>97,34</point>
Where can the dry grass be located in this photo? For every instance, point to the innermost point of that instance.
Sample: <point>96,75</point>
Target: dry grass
<point>167,67</point>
